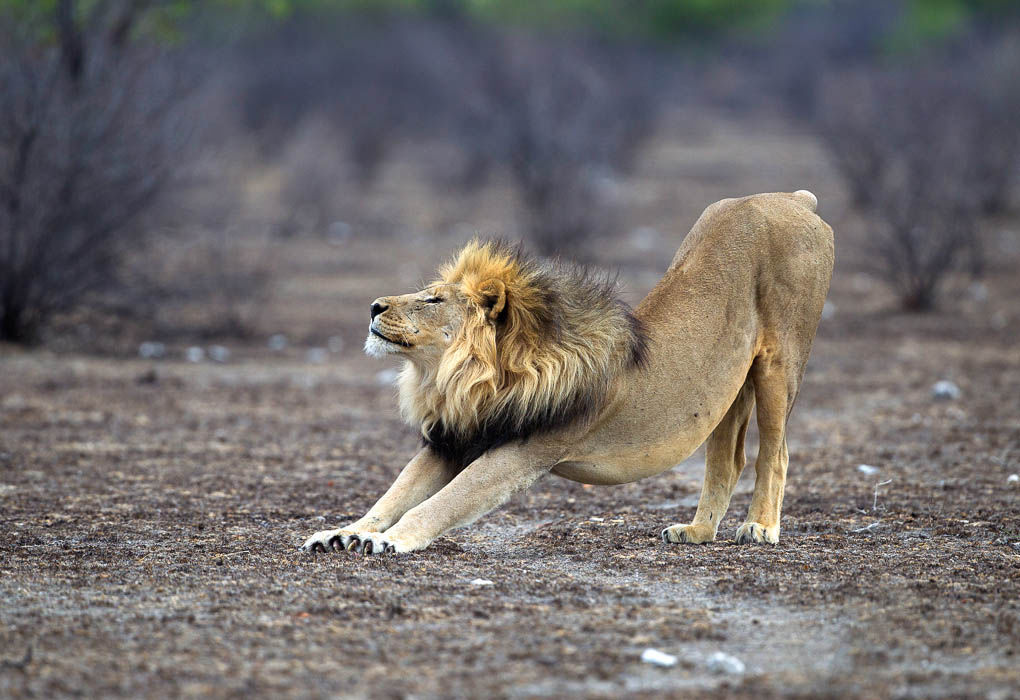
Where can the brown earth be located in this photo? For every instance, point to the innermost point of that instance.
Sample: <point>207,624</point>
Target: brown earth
<point>151,511</point>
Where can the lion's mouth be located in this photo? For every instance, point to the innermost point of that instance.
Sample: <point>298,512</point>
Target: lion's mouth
<point>388,340</point>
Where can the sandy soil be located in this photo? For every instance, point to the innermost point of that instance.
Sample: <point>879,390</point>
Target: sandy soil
<point>151,513</point>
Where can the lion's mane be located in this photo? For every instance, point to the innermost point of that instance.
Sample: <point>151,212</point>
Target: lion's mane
<point>541,357</point>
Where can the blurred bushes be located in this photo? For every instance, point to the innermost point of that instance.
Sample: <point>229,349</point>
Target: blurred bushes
<point>560,117</point>
<point>564,119</point>
<point>927,146</point>
<point>89,132</point>
<point>926,153</point>
<point>97,119</point>
<point>923,133</point>
<point>914,99</point>
<point>666,20</point>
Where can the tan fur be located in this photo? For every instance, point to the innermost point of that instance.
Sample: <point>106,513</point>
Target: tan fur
<point>516,369</point>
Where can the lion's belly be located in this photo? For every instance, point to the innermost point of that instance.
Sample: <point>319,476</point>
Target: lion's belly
<point>627,464</point>
<point>650,427</point>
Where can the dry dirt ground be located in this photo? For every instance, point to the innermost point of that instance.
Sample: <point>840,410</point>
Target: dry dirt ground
<point>151,513</point>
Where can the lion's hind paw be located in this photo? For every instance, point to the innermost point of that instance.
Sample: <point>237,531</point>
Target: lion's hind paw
<point>755,533</point>
<point>688,534</point>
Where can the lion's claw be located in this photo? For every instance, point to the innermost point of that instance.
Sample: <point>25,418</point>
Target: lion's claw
<point>376,543</point>
<point>344,540</point>
<point>327,541</point>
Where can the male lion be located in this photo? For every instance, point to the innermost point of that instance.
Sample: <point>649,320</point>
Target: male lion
<point>515,368</point>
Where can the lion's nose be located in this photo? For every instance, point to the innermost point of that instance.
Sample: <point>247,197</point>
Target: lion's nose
<point>378,308</point>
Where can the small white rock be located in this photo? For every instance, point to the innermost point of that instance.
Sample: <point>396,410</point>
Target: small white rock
<point>828,310</point>
<point>596,519</point>
<point>194,354</point>
<point>386,377</point>
<point>482,582</point>
<point>1013,480</point>
<point>658,658</point>
<point>945,390</point>
<point>277,342</point>
<point>978,292</point>
<point>338,232</point>
<point>151,350</point>
<point>644,237</point>
<point>218,353</point>
<point>721,662</point>
<point>863,283</point>
<point>867,469</point>
<point>316,356</point>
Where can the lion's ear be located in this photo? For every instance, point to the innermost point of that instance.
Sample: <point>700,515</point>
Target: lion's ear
<point>493,293</point>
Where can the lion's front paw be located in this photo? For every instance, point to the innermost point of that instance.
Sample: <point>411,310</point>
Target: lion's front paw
<point>688,534</point>
<point>751,532</point>
<point>329,540</point>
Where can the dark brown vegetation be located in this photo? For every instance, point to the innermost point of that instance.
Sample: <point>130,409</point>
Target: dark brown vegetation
<point>565,119</point>
<point>926,151</point>
<point>94,118</point>
<point>89,132</point>
<point>562,117</point>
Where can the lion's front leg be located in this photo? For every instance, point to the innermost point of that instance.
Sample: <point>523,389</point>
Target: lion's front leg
<point>423,476</point>
<point>485,484</point>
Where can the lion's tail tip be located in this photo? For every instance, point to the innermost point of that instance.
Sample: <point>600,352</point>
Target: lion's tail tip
<point>806,198</point>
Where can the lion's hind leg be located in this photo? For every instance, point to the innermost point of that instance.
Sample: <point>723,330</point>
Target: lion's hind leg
<point>723,464</point>
<point>775,391</point>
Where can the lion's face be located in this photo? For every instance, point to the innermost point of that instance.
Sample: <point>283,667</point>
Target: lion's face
<point>420,325</point>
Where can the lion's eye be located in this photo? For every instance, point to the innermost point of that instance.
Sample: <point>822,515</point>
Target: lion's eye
<point>433,300</point>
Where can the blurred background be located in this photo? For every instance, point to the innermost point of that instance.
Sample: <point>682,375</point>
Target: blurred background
<point>201,179</point>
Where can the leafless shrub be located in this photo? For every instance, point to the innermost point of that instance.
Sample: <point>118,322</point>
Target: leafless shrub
<point>88,135</point>
<point>816,39</point>
<point>329,101</point>
<point>370,80</point>
<point>209,283</point>
<point>562,118</point>
<point>558,114</point>
<point>924,152</point>
<point>312,178</point>
<point>991,76</point>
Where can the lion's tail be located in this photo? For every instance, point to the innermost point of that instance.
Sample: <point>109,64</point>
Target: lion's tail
<point>807,199</point>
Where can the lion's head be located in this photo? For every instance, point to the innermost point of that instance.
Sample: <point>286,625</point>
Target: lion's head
<point>502,346</point>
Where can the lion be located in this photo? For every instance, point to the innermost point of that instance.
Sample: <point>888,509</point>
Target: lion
<point>515,368</point>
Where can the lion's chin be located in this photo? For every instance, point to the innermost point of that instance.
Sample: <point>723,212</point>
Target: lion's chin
<point>377,347</point>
